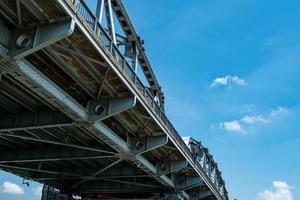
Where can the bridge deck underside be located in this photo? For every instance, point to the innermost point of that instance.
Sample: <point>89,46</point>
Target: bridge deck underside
<point>61,152</point>
<point>42,140</point>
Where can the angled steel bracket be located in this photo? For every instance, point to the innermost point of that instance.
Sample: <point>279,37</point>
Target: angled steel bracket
<point>198,195</point>
<point>102,109</point>
<point>204,194</point>
<point>165,167</point>
<point>143,145</point>
<point>29,40</point>
<point>186,182</point>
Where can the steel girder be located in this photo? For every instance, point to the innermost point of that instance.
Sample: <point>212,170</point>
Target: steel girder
<point>102,109</point>
<point>133,37</point>
<point>55,142</point>
<point>29,40</point>
<point>68,6</point>
<point>143,145</point>
<point>78,113</point>
<point>205,160</point>
<point>50,154</point>
<point>5,34</point>
<point>184,182</point>
<point>169,166</point>
<point>95,174</point>
<point>33,120</point>
<point>173,141</point>
<point>120,187</point>
<point>115,172</point>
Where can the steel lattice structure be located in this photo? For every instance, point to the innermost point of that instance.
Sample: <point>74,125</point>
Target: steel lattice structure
<point>74,114</point>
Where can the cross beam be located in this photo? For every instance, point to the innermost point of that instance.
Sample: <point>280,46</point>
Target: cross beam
<point>55,142</point>
<point>119,187</point>
<point>33,120</point>
<point>49,154</point>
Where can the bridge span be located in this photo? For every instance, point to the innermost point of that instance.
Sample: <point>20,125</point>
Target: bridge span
<point>75,116</point>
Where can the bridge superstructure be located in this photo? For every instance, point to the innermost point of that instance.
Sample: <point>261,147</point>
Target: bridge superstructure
<point>74,114</point>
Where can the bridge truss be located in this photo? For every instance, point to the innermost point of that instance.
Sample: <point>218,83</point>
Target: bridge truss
<point>74,114</point>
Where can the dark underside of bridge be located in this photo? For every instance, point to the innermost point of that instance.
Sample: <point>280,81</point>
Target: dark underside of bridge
<point>52,129</point>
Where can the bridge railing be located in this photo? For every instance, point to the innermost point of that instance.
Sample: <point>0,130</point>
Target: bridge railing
<point>102,34</point>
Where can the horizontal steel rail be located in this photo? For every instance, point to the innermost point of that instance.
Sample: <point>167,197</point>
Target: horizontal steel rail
<point>80,8</point>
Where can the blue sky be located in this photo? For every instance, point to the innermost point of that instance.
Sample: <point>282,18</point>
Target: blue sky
<point>230,72</point>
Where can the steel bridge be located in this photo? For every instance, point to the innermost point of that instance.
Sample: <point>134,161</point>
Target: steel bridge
<point>75,116</point>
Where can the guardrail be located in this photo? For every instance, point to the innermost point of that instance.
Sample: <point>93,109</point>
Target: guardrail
<point>101,33</point>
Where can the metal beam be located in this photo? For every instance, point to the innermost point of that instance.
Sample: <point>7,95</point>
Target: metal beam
<point>32,6</point>
<point>131,35</point>
<point>78,54</point>
<point>96,149</point>
<point>99,10</point>
<point>166,167</point>
<point>184,182</point>
<point>138,159</point>
<point>143,145</point>
<point>119,187</point>
<point>204,194</point>
<point>68,69</point>
<point>31,120</point>
<point>29,40</point>
<point>49,154</point>
<point>199,195</point>
<point>8,13</point>
<point>90,178</point>
<point>100,110</point>
<point>97,172</point>
<point>5,34</point>
<point>110,20</point>
<point>79,113</point>
<point>11,167</point>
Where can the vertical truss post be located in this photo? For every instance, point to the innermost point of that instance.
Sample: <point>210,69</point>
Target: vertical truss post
<point>135,58</point>
<point>99,11</point>
<point>110,21</point>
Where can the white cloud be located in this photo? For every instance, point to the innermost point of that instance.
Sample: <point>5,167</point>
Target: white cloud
<point>233,126</point>
<point>278,111</point>
<point>11,188</point>
<point>280,191</point>
<point>37,191</point>
<point>253,119</point>
<point>229,81</point>
<point>248,122</point>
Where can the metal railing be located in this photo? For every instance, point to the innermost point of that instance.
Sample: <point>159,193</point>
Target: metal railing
<point>104,37</point>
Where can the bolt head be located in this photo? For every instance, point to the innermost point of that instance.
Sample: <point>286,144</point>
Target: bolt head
<point>23,41</point>
<point>139,145</point>
<point>99,109</point>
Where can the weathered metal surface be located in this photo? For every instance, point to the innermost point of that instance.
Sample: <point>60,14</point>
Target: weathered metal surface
<point>72,90</point>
